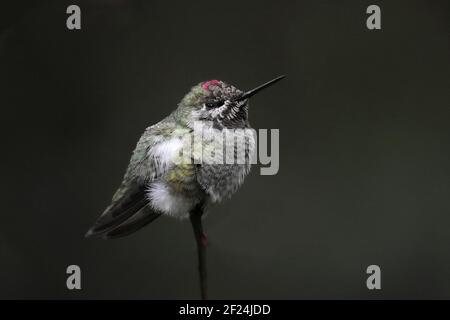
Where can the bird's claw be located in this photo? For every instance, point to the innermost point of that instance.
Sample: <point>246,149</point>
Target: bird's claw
<point>204,239</point>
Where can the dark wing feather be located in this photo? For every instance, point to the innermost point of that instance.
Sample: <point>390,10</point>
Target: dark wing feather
<point>122,217</point>
<point>133,224</point>
<point>126,203</point>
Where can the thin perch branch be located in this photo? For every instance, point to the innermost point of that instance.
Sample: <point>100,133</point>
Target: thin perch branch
<point>200,238</point>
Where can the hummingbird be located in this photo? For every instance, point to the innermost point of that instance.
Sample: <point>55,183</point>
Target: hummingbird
<point>157,184</point>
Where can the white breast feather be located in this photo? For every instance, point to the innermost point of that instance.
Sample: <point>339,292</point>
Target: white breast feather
<point>165,152</point>
<point>162,198</point>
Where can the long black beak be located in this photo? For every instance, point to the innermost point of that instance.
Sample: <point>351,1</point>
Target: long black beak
<point>252,92</point>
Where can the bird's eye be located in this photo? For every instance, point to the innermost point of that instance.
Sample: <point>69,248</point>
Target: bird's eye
<point>214,104</point>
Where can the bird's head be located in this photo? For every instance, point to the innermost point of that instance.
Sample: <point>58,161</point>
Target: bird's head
<point>220,103</point>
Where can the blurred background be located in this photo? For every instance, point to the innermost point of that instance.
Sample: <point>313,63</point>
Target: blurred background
<point>364,147</point>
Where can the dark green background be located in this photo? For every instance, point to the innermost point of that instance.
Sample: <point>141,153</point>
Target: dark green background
<point>364,146</point>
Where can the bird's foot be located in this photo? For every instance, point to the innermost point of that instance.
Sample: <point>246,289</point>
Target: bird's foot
<point>204,239</point>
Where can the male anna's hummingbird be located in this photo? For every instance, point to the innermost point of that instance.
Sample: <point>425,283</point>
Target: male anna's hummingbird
<point>156,184</point>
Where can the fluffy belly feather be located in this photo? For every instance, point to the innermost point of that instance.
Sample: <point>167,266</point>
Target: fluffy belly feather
<point>165,199</point>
